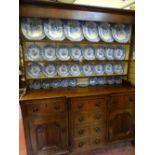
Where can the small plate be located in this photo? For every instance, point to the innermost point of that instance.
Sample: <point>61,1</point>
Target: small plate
<point>100,53</point>
<point>118,68</point>
<point>119,53</point>
<point>118,80</point>
<point>64,83</point>
<point>32,28</point>
<point>109,53</point>
<point>72,82</point>
<point>75,70</point>
<point>34,70</point>
<point>33,52</point>
<point>89,53</point>
<point>63,70</point>
<point>93,81</point>
<point>90,31</point>
<point>108,69</point>
<point>46,84</point>
<point>105,32</point>
<point>49,53</point>
<point>62,53</point>
<point>121,33</point>
<point>99,69</point>
<point>36,84</point>
<point>73,30</point>
<point>76,53</point>
<point>53,29</point>
<point>50,70</point>
<point>87,70</point>
<point>101,81</point>
<point>110,81</point>
<point>56,83</point>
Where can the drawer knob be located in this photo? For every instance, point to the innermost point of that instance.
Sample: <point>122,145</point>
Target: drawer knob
<point>35,109</point>
<point>97,141</point>
<point>57,108</point>
<point>81,144</point>
<point>81,119</point>
<point>97,129</point>
<point>80,106</point>
<point>81,132</point>
<point>97,104</point>
<point>97,116</point>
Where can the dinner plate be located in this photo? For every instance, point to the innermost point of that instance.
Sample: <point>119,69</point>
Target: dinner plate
<point>119,53</point>
<point>76,53</point>
<point>87,70</point>
<point>33,52</point>
<point>53,29</point>
<point>63,70</point>
<point>46,84</point>
<point>110,81</point>
<point>99,69</point>
<point>62,53</point>
<point>93,81</point>
<point>121,33</point>
<point>49,53</point>
<point>105,32</point>
<point>64,83</point>
<point>90,31</point>
<point>36,84</point>
<point>73,30</point>
<point>34,70</point>
<point>109,53</point>
<point>118,80</point>
<point>101,81</point>
<point>118,68</point>
<point>108,69</point>
<point>75,70</point>
<point>32,28</point>
<point>50,70</point>
<point>56,83</point>
<point>100,53</point>
<point>89,53</point>
<point>72,82</point>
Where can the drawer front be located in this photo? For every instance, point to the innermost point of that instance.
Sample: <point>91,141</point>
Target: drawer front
<point>46,106</point>
<point>81,144</point>
<point>81,119</point>
<point>98,130</point>
<point>81,132</point>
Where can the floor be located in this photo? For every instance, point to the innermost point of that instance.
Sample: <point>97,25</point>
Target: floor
<point>117,149</point>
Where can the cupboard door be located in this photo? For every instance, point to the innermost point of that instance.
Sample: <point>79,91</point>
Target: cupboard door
<point>120,125</point>
<point>49,134</point>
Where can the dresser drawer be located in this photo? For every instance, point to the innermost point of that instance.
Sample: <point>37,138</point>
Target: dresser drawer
<point>45,106</point>
<point>81,119</point>
<point>80,132</point>
<point>81,144</point>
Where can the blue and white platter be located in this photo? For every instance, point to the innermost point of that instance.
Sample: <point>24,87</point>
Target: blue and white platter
<point>90,31</point>
<point>87,70</point>
<point>118,68</point>
<point>100,53</point>
<point>118,80</point>
<point>63,70</point>
<point>34,70</point>
<point>62,53</point>
<point>75,70</point>
<point>49,53</point>
<point>76,53</point>
<point>121,33</point>
<point>64,83</point>
<point>33,52</point>
<point>93,81</point>
<point>110,81</point>
<point>99,69</point>
<point>108,69</point>
<point>72,82</point>
<point>109,53</point>
<point>105,32</point>
<point>89,53</point>
<point>119,53</point>
<point>53,29</point>
<point>101,81</point>
<point>36,84</point>
<point>32,28</point>
<point>49,70</point>
<point>56,83</point>
<point>73,30</point>
<point>46,84</point>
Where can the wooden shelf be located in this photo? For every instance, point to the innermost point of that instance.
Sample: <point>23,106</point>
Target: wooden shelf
<point>82,76</point>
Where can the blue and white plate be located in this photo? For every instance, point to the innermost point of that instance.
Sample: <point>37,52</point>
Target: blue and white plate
<point>73,30</point>
<point>32,28</point>
<point>87,70</point>
<point>99,69</point>
<point>108,69</point>
<point>64,83</point>
<point>49,53</point>
<point>101,81</point>
<point>72,82</point>
<point>75,70</point>
<point>34,70</point>
<point>90,31</point>
<point>89,53</point>
<point>119,53</point>
<point>33,52</point>
<point>118,80</point>
<point>36,84</point>
<point>105,32</point>
<point>46,84</point>
<point>110,80</point>
<point>62,53</point>
<point>63,70</point>
<point>118,68</point>
<point>53,29</point>
<point>121,33</point>
<point>109,53</point>
<point>100,53</point>
<point>93,81</point>
<point>76,53</point>
<point>55,83</point>
<point>50,70</point>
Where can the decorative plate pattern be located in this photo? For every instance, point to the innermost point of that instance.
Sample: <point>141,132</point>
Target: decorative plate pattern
<point>32,28</point>
<point>99,69</point>
<point>118,68</point>
<point>56,83</point>
<point>46,84</point>
<point>110,81</point>
<point>93,81</point>
<point>63,70</point>
<point>109,53</point>
<point>53,29</point>
<point>76,53</point>
<point>72,82</point>
<point>49,53</point>
<point>50,70</point>
<point>87,70</point>
<point>64,83</point>
<point>36,84</point>
<point>63,53</point>
<point>109,69</point>
<point>89,53</point>
<point>100,53</point>
<point>119,53</point>
<point>75,70</point>
<point>101,81</point>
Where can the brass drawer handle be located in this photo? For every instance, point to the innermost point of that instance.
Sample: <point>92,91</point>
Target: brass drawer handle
<point>97,141</point>
<point>81,144</point>
<point>97,129</point>
<point>35,109</point>
<point>81,132</point>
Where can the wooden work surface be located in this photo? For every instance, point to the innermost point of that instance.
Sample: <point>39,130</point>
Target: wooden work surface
<point>75,92</point>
